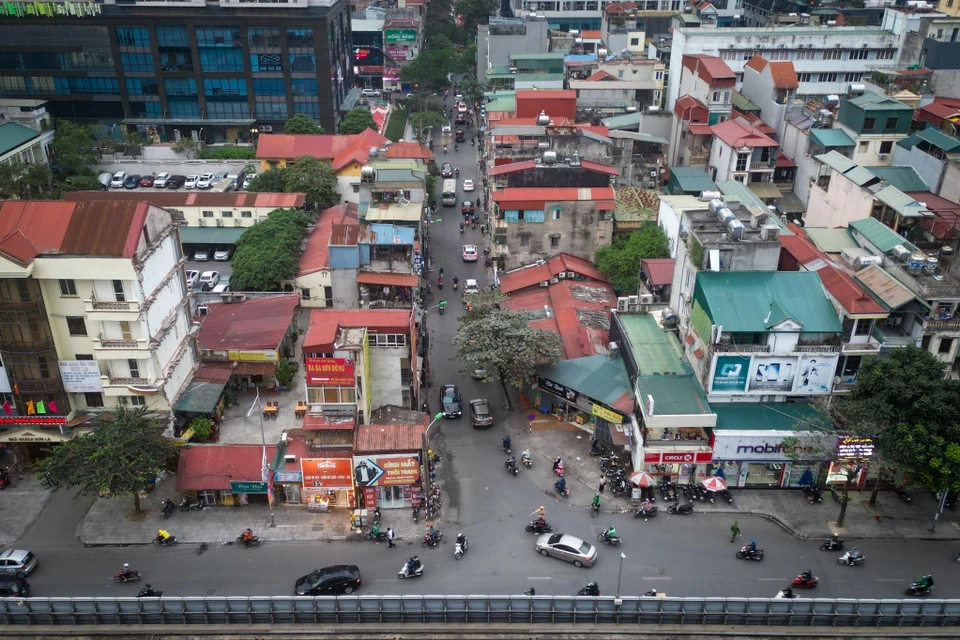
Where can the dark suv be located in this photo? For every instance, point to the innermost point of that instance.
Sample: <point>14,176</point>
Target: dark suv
<point>480,414</point>
<point>340,578</point>
<point>446,170</point>
<point>450,401</point>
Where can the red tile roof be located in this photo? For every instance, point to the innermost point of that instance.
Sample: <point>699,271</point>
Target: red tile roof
<point>754,120</point>
<point>28,228</point>
<point>255,323</point>
<point>106,229</point>
<point>536,197</point>
<point>533,275</point>
<point>325,323</point>
<point>410,150</point>
<point>601,75</point>
<point>388,279</point>
<point>783,74</point>
<point>658,270</point>
<point>599,167</point>
<point>590,34</point>
<point>320,423</point>
<point>712,69</point>
<point>214,372</point>
<point>690,109</point>
<point>512,167</point>
<point>558,103</point>
<point>389,438</point>
<point>211,467</point>
<point>164,198</point>
<point>316,255</point>
<point>739,134</point>
<point>339,150</point>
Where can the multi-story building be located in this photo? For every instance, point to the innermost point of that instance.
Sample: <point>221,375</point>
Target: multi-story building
<point>742,152</point>
<point>217,70</point>
<point>109,277</point>
<point>32,114</point>
<point>876,122</point>
<point>936,157</point>
<point>772,86</point>
<point>706,86</point>
<point>619,85</point>
<point>505,36</point>
<point>402,34</point>
<point>826,59</point>
<point>575,15</point>
<point>20,145</point>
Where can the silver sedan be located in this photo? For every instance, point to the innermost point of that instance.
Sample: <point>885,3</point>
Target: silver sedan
<point>569,548</point>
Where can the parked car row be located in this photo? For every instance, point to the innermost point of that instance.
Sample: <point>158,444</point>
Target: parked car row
<point>203,254</point>
<point>124,180</point>
<point>207,281</point>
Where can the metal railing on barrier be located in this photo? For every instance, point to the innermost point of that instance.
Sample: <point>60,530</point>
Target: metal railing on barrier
<point>480,610</point>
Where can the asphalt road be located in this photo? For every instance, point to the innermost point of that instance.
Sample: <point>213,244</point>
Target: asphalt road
<point>677,555</point>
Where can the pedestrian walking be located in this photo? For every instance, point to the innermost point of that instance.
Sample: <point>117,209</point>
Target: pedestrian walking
<point>735,530</point>
<point>603,484</point>
<point>391,535</point>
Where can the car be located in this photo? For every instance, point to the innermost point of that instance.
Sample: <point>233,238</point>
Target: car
<point>201,255</point>
<point>461,136</point>
<point>467,208</point>
<point>118,179</point>
<point>447,128</point>
<point>370,93</point>
<point>468,185</point>
<point>248,180</point>
<point>11,586</point>
<point>461,107</point>
<point>191,182</point>
<point>221,288</point>
<point>469,254</point>
<point>450,401</point>
<point>446,170</point>
<point>221,255</point>
<point>209,279</point>
<point>17,562</point>
<point>480,414</point>
<point>205,181</point>
<point>225,280</point>
<point>458,97</point>
<point>132,181</point>
<point>147,181</point>
<point>176,182</point>
<point>221,176</point>
<point>339,578</point>
<point>470,286</point>
<point>479,374</point>
<point>192,276</point>
<point>566,547</point>
<point>161,180</point>
<point>461,119</point>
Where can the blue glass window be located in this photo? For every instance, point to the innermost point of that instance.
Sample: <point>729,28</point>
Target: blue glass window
<point>221,60</point>
<point>67,86</point>
<point>311,109</point>
<point>146,109</point>
<point>269,37</point>
<point>136,61</point>
<point>271,110</point>
<point>225,88</point>
<point>527,215</point>
<point>9,60</point>
<point>86,60</point>
<point>180,87</point>
<point>300,38</point>
<point>303,63</point>
<point>40,60</point>
<point>183,108</point>
<point>228,110</point>
<point>304,86</point>
<point>133,36</point>
<point>268,87</point>
<point>171,36</point>
<point>218,37</point>
<point>176,61</point>
<point>142,86</point>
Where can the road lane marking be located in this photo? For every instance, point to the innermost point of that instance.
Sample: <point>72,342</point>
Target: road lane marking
<point>539,578</point>
<point>657,578</point>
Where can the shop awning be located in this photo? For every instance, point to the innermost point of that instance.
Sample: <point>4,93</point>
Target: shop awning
<point>388,279</point>
<point>757,416</point>
<point>200,396</point>
<point>654,454</point>
<point>212,467</point>
<point>210,235</point>
<point>765,190</point>
<point>256,368</point>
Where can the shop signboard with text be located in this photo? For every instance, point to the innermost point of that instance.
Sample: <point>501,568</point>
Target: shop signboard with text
<point>390,470</point>
<point>610,416</point>
<point>772,373</point>
<point>730,374</point>
<point>739,445</point>
<point>401,35</point>
<point>79,376</point>
<point>329,372</point>
<point>327,473</point>
<point>677,457</point>
<point>262,355</point>
<point>558,389</point>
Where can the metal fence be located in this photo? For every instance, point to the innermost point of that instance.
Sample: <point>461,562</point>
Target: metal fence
<point>480,610</point>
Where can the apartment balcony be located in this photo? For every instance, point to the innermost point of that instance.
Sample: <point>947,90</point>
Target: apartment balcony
<point>871,347</point>
<point>20,305</point>
<point>689,436</point>
<point>105,310</point>
<point>893,337</point>
<point>246,4</point>
<point>125,386</point>
<point>120,349</point>
<point>39,385</point>
<point>941,326</point>
<point>33,346</point>
<point>741,348</point>
<point>817,348</point>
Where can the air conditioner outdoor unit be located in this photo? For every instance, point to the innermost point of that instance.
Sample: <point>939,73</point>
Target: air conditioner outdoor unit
<point>623,304</point>
<point>237,222</point>
<point>219,222</point>
<point>289,458</point>
<point>633,300</point>
<point>884,156</point>
<point>554,280</point>
<point>571,274</point>
<point>202,310</point>
<point>203,222</point>
<point>562,275</point>
<point>646,298</point>
<point>545,283</point>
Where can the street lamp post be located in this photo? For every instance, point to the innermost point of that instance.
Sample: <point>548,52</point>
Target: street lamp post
<point>618,600</point>
<point>264,471</point>
<point>426,466</point>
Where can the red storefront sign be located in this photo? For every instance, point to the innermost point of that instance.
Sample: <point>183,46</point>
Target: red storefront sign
<point>369,499</point>
<point>329,372</point>
<point>682,457</point>
<point>327,473</point>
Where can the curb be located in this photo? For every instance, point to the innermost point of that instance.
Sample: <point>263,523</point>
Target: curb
<point>228,543</point>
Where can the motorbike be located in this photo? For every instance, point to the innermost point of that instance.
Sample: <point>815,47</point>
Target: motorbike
<point>461,227</point>
<point>609,462</point>
<point>645,513</point>
<point>185,505</point>
<point>813,495</point>
<point>527,461</point>
<point>488,261</point>
<point>596,448</point>
<point>746,554</point>
<point>834,544</point>
<point>559,469</point>
<point>680,509</point>
<point>565,492</point>
<point>441,309</point>
<point>440,282</point>
<point>456,285</point>
<point>4,479</point>
<point>405,571</point>
<point>459,550</point>
<point>851,561</point>
<point>511,466</point>
<point>148,592</point>
<point>506,447</point>
<point>168,508</point>
<point>915,588</point>
<point>126,576</point>
<point>904,494</point>
<point>379,536</point>
<point>688,493</point>
<point>594,510</point>
<point>603,537</point>
<point>590,590</point>
<point>252,542</point>
<point>432,538</point>
<point>165,542</point>
<point>533,527</point>
<point>809,584</point>
<point>726,495</point>
<point>703,495</point>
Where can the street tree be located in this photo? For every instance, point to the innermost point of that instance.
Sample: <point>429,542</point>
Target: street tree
<point>74,147</point>
<point>315,178</point>
<point>269,252</point>
<point>506,347</point>
<point>117,459</point>
<point>270,181</point>
<point>430,69</point>
<point>482,303</point>
<point>620,262</point>
<point>422,121</point>
<point>356,121</point>
<point>301,123</point>
<point>188,146</point>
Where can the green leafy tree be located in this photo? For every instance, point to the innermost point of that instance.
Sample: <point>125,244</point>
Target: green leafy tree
<point>74,146</point>
<point>268,253</point>
<point>505,346</point>
<point>474,13</point>
<point>284,374</point>
<point>429,70</point>
<point>301,123</point>
<point>620,262</point>
<point>421,123</point>
<point>188,147</point>
<point>202,427</point>
<point>315,178</point>
<point>82,183</point>
<point>117,459</point>
<point>357,120</point>
<point>270,181</point>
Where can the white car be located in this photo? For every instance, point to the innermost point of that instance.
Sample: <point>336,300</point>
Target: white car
<point>192,277</point>
<point>370,93</point>
<point>161,180</point>
<point>446,128</point>
<point>221,255</point>
<point>248,180</point>
<point>468,185</point>
<point>201,255</point>
<point>191,182</point>
<point>470,286</point>
<point>462,107</point>
<point>205,181</point>
<point>469,253</point>
<point>209,279</point>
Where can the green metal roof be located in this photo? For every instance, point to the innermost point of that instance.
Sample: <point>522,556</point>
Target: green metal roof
<point>200,396</point>
<point>553,55</point>
<point>625,120</point>
<point>692,179</point>
<point>655,350</point>
<point>602,378</point>
<point>831,240</point>
<point>736,191</point>
<point>673,395</point>
<point>13,135</point>
<point>909,142</point>
<point>211,235</point>
<point>836,161</point>
<point>756,301</point>
<point>902,177</point>
<point>902,203</point>
<point>877,233</point>
<point>689,18</point>
<point>937,138</point>
<point>776,416</point>
<point>742,103</point>
<point>502,104</point>
<point>827,138</point>
<point>860,176</point>
<point>870,100</point>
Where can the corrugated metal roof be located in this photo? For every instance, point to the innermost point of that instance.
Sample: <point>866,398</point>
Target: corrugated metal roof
<point>692,179</point>
<point>324,324</point>
<point>211,467</point>
<point>827,138</point>
<point>105,229</point>
<point>870,100</point>
<point>337,227</point>
<point>254,323</point>
<point>902,177</point>
<point>600,377</point>
<point>164,198</point>
<point>388,438</point>
<point>674,395</point>
<point>201,395</point>
<point>860,176</point>
<point>13,135</point>
<point>658,270</point>
<point>877,233</point>
<point>758,416</point>
<point>937,138</point>
<point>836,161</point>
<point>831,240</point>
<point>29,228</point>
<point>655,350</point>
<point>903,204</point>
<point>884,286</point>
<point>625,120</point>
<point>211,235</point>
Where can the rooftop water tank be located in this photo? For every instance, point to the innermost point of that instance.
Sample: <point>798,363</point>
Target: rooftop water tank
<point>714,205</point>
<point>707,196</point>
<point>930,268</point>
<point>736,229</point>
<point>724,215</point>
<point>916,263</point>
<point>900,253</point>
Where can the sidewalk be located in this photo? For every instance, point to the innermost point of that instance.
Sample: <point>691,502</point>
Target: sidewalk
<point>20,504</point>
<point>107,523</point>
<point>788,508</point>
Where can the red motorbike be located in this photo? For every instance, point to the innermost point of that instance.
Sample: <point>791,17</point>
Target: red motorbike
<point>805,584</point>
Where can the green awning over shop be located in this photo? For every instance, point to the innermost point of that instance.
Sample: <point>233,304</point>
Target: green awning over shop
<point>775,416</point>
<point>599,377</point>
<point>211,235</point>
<point>200,396</point>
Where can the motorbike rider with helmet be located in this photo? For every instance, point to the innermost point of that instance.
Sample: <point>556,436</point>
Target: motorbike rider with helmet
<point>610,533</point>
<point>126,571</point>
<point>413,564</point>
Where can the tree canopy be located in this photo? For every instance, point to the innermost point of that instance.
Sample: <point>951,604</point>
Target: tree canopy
<point>620,262</point>
<point>501,342</point>
<point>315,178</point>
<point>74,147</point>
<point>268,252</point>
<point>357,120</point>
<point>117,459</point>
<point>28,181</point>
<point>301,123</point>
<point>270,181</point>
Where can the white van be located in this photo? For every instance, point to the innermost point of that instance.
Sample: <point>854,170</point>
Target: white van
<point>118,178</point>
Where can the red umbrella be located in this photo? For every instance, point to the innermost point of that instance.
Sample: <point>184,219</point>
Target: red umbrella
<point>642,479</point>
<point>714,484</point>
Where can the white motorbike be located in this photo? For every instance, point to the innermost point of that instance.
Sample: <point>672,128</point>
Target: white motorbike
<point>850,560</point>
<point>460,549</point>
<point>405,571</point>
